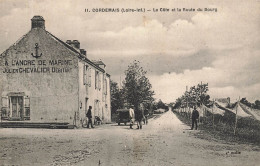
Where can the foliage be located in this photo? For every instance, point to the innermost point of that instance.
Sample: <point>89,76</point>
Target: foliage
<point>136,86</point>
<point>195,96</point>
<point>255,105</point>
<point>244,101</point>
<point>160,104</point>
<point>116,97</point>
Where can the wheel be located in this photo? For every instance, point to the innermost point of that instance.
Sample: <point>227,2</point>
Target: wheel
<point>84,123</point>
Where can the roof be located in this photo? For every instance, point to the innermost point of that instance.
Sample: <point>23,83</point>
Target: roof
<point>80,56</point>
<point>99,62</point>
<point>40,18</point>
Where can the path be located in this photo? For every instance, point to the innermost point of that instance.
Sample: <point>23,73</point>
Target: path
<point>164,141</point>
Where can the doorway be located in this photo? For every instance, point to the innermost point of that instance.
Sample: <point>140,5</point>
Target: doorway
<point>86,106</point>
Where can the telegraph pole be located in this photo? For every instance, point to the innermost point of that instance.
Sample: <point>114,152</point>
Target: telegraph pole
<point>213,123</point>
<point>187,102</point>
<point>236,116</point>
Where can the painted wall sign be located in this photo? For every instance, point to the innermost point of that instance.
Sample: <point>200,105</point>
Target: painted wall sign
<point>36,55</point>
<point>37,66</point>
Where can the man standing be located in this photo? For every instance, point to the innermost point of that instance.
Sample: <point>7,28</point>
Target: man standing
<point>131,116</point>
<point>194,117</point>
<point>89,116</point>
<point>146,114</point>
<point>139,116</point>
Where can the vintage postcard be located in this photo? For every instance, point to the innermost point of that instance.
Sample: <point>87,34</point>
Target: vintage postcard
<point>134,82</point>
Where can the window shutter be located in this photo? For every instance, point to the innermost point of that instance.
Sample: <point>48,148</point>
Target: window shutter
<point>5,101</point>
<point>27,107</point>
<point>89,77</point>
<point>96,79</point>
<point>26,102</point>
<point>99,80</point>
<point>105,89</point>
<point>84,74</point>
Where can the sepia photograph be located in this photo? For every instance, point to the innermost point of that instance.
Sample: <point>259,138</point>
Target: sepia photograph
<point>129,83</point>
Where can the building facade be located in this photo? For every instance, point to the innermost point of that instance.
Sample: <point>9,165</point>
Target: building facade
<point>43,79</point>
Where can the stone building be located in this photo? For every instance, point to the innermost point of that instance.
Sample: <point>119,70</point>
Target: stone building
<point>43,79</point>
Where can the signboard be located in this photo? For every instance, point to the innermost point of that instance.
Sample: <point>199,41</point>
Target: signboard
<point>37,66</point>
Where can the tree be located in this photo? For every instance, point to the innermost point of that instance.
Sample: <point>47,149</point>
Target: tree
<point>162,105</point>
<point>257,104</point>
<point>117,100</point>
<point>195,96</point>
<point>136,86</point>
<point>246,102</point>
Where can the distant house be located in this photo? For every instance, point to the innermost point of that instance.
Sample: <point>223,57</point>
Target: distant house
<point>43,79</point>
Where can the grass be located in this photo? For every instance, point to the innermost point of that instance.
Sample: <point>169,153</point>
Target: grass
<point>248,130</point>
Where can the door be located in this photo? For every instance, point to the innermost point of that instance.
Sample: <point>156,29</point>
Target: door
<point>17,106</point>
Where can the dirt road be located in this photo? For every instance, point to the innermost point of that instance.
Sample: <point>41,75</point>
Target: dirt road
<point>164,141</point>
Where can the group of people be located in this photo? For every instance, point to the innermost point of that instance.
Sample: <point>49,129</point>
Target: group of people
<point>137,116</point>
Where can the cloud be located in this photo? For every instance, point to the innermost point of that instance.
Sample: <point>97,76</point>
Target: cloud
<point>177,49</point>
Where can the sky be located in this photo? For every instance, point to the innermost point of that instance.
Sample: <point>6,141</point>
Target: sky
<point>177,49</point>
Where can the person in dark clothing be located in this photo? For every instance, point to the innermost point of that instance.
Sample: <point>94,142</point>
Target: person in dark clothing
<point>89,116</point>
<point>194,118</point>
<point>139,115</point>
<point>146,114</point>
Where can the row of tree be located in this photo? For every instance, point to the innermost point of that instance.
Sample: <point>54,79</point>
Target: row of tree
<point>195,96</point>
<point>255,105</point>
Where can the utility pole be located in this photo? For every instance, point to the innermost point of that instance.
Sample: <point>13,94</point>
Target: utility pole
<point>200,98</point>
<point>236,116</point>
<point>187,102</point>
<point>213,121</point>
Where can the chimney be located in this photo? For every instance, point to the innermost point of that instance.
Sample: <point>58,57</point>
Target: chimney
<point>69,42</point>
<point>83,52</point>
<point>74,43</point>
<point>38,22</point>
